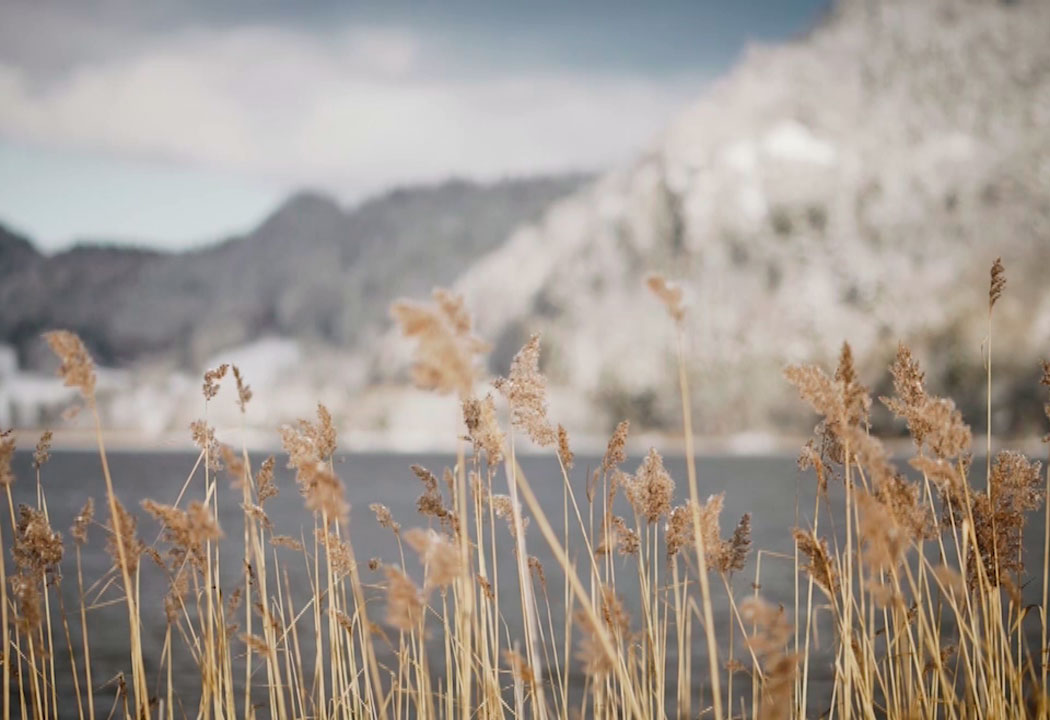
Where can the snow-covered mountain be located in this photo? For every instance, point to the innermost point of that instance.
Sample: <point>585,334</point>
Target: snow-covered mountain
<point>855,184</point>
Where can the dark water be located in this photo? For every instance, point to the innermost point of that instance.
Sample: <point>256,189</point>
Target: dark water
<point>772,489</point>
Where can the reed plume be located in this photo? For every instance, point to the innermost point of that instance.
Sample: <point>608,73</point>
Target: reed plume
<point>446,350</point>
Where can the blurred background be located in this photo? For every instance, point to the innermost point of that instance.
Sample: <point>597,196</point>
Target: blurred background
<point>189,183</point>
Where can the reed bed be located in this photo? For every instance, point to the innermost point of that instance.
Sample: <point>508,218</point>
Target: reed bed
<point>909,585</point>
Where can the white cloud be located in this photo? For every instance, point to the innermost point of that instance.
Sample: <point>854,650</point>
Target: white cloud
<point>353,111</point>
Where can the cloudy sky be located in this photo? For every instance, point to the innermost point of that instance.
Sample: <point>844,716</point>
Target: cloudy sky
<point>173,122</point>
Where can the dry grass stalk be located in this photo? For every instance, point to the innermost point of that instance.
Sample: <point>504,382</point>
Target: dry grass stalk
<point>891,652</point>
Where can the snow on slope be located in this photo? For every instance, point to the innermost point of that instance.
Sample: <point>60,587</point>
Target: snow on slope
<point>853,185</point>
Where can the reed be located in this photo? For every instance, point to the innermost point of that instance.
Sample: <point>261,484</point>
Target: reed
<point>910,587</point>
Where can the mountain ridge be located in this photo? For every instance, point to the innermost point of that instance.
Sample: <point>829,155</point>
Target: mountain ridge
<point>303,271</point>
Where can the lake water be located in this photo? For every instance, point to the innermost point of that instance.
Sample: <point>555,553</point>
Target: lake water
<point>772,489</point>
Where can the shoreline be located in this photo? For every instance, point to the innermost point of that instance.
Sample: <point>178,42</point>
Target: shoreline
<point>361,442</point>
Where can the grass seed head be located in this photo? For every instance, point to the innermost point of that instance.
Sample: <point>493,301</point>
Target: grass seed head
<point>404,602</point>
<point>431,503</point>
<point>38,548</point>
<point>286,541</point>
<point>26,590</point>
<point>933,422</point>
<point>446,350</point>
<point>618,535</point>
<point>564,451</point>
<point>235,466</point>
<point>820,566</point>
<point>204,438</point>
<point>7,454</point>
<point>526,390</point>
<point>520,668</point>
<point>536,567</point>
<point>266,488</point>
<point>651,488</point>
<point>82,521</point>
<point>483,428</point>
<point>338,552</point>
<point>614,615</point>
<point>503,507</point>
<point>173,599</point>
<point>244,390</point>
<point>438,554</point>
<point>710,527</point>
<point>125,540</point>
<point>384,518</point>
<point>212,378</point>
<point>809,458</point>
<point>258,514</point>
<point>855,396</point>
<point>323,491</point>
<point>591,651</point>
<point>885,541</point>
<point>256,644</point>
<point>734,557</point>
<point>42,453</point>
<point>615,452</point>
<point>77,369</point>
<point>188,530</point>
<point>669,293</point>
<point>997,283</point>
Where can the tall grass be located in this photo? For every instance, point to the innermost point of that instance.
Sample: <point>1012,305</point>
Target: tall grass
<point>914,596</point>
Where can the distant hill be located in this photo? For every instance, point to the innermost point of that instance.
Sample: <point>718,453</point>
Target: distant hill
<point>311,270</point>
<point>855,184</point>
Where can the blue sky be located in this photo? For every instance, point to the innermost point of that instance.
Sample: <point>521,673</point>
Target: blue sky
<point>172,123</point>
